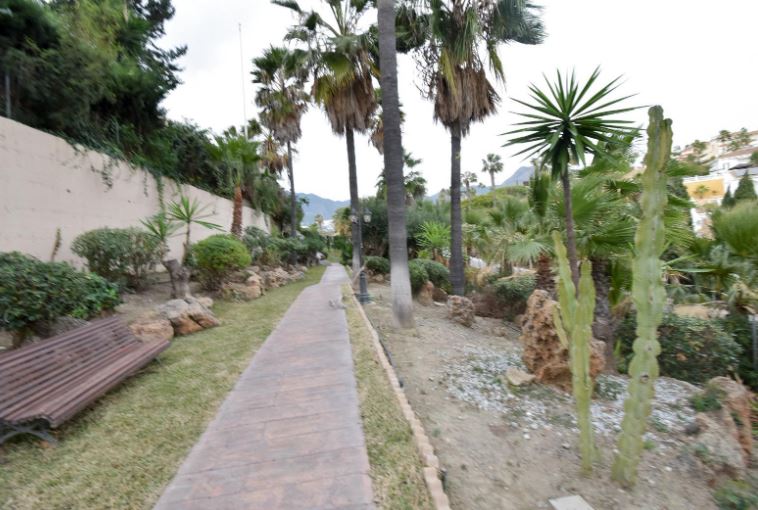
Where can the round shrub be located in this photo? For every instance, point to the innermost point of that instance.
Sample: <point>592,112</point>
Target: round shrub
<point>438,274</point>
<point>378,265</point>
<point>122,255</point>
<point>217,256</point>
<point>418,274</point>
<point>512,292</point>
<point>33,292</point>
<point>692,349</point>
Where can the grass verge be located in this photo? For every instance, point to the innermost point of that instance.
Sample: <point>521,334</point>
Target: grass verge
<point>396,469</point>
<point>124,450</point>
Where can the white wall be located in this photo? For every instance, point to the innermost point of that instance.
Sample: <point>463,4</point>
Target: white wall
<point>46,184</point>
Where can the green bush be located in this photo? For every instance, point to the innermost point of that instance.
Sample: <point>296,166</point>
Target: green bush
<point>738,325</point>
<point>438,274</point>
<point>33,292</point>
<point>692,349</point>
<point>378,265</point>
<point>418,274</point>
<point>737,494</point>
<point>217,256</point>
<point>121,255</point>
<point>515,288</point>
<point>271,250</point>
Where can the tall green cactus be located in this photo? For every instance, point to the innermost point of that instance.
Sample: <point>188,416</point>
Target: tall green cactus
<point>649,298</point>
<point>573,322</point>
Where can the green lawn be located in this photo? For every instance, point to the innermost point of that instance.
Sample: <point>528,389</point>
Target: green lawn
<point>396,469</point>
<point>126,448</point>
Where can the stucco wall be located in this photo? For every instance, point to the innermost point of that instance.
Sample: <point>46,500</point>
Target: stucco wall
<point>46,184</point>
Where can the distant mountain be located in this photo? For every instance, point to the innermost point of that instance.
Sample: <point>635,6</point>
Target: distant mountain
<point>319,205</point>
<point>520,176</point>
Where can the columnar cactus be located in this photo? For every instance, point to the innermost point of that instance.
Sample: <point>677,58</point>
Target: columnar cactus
<point>649,297</point>
<point>573,323</point>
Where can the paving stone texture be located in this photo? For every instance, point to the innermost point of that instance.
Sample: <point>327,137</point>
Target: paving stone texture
<point>289,434</point>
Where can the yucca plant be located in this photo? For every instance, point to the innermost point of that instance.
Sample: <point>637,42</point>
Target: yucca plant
<point>187,212</point>
<point>565,124</point>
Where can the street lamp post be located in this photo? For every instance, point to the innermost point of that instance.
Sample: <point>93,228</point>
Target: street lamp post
<point>363,295</point>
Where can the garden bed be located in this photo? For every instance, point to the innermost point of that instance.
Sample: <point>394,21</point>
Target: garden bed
<point>514,447</point>
<point>125,449</point>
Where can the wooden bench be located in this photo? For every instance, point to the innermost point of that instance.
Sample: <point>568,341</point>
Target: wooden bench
<point>44,384</point>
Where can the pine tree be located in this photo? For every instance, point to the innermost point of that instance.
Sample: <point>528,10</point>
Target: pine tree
<point>745,189</point>
<point>728,201</point>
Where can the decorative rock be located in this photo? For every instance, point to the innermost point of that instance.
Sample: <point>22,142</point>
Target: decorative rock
<point>152,330</point>
<point>544,355</point>
<point>241,291</point>
<point>461,310</point>
<point>187,315</point>
<point>254,279</point>
<point>424,295</point>
<point>205,301</point>
<point>439,295</point>
<point>716,445</point>
<point>518,377</point>
<point>569,503</point>
<point>738,401</point>
<point>377,278</point>
<point>486,304</point>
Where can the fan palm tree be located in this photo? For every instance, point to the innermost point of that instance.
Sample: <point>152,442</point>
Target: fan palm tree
<point>565,124</point>
<point>238,158</point>
<point>413,182</point>
<point>281,74</point>
<point>341,61</point>
<point>456,78</point>
<point>492,164</point>
<point>469,179</point>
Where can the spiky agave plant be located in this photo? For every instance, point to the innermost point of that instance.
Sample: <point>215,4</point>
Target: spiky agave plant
<point>573,322</point>
<point>649,298</point>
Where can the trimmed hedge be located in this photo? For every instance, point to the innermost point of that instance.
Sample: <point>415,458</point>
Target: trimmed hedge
<point>418,274</point>
<point>34,292</point>
<point>692,349</point>
<point>218,256</point>
<point>378,265</point>
<point>437,273</point>
<point>270,250</point>
<point>121,255</point>
<point>515,289</point>
<point>738,325</point>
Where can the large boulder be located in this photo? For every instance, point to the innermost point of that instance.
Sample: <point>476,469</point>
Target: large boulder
<point>543,353</point>
<point>716,446</point>
<point>241,291</point>
<point>461,310</point>
<point>486,304</point>
<point>187,315</point>
<point>151,329</point>
<point>738,401</point>
<point>425,294</point>
<point>439,295</point>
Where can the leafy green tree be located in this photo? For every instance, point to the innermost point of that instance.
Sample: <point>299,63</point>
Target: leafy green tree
<point>343,66</point>
<point>745,189</point>
<point>281,74</point>
<point>564,125</point>
<point>455,76</point>
<point>728,201</point>
<point>739,139</point>
<point>754,158</point>
<point>492,164</point>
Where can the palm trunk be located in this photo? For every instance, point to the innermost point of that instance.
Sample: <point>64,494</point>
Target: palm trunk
<point>355,206</point>
<point>570,233</point>
<point>492,178</point>
<point>602,326</point>
<point>402,299</point>
<point>237,212</point>
<point>457,276</point>
<point>293,198</point>
<point>545,280</point>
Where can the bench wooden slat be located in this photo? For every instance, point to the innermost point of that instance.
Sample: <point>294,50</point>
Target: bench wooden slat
<point>54,379</point>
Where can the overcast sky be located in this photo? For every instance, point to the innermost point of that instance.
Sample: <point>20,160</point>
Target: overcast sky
<point>696,58</point>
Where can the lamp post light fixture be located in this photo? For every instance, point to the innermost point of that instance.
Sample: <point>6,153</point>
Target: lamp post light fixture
<point>363,296</point>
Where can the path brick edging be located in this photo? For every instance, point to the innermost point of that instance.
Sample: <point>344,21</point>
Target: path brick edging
<point>426,451</point>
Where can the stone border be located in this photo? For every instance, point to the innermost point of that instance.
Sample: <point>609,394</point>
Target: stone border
<point>431,463</point>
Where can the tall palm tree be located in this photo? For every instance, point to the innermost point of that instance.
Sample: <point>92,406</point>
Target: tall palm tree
<point>238,158</point>
<point>564,125</point>
<point>469,179</point>
<point>340,52</point>
<point>402,304</point>
<point>456,78</point>
<point>492,164</point>
<point>281,74</point>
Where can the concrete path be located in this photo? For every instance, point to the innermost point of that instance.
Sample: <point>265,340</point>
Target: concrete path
<point>289,434</point>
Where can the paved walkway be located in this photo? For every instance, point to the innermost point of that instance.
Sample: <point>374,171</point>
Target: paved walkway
<point>289,434</point>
